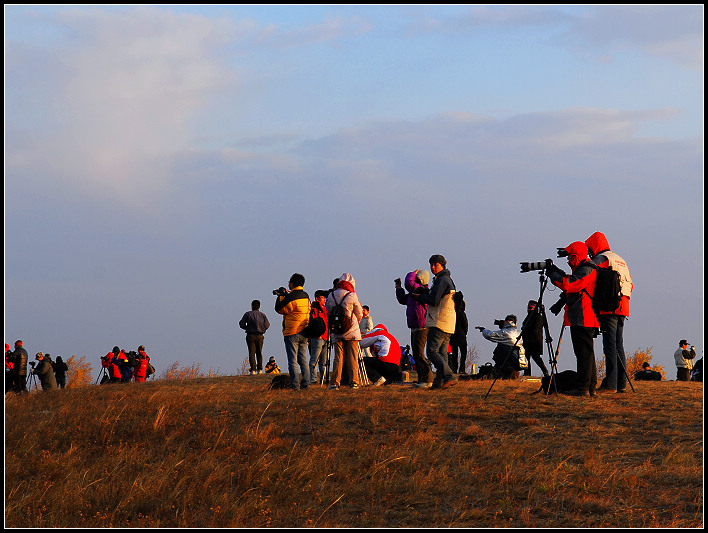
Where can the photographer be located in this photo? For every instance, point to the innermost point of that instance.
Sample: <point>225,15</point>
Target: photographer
<point>45,372</point>
<point>110,362</point>
<point>578,289</point>
<point>294,304</point>
<point>384,364</point>
<point>509,356</point>
<point>684,361</point>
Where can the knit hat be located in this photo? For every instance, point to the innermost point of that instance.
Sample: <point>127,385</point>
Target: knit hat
<point>424,277</point>
<point>437,258</point>
<point>271,360</point>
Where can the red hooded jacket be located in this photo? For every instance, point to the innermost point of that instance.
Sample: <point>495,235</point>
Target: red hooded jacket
<point>393,355</point>
<point>578,287</point>
<point>597,244</point>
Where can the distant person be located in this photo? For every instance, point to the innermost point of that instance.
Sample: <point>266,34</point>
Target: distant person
<point>440,320</point>
<point>60,370</point>
<point>44,372</point>
<point>294,304</point>
<point>19,370</point>
<point>647,374</point>
<point>110,363</point>
<point>256,324</point>
<point>318,345</point>
<point>272,367</point>
<point>384,364</point>
<point>612,322</point>
<point>509,355</point>
<point>458,340</point>
<point>346,343</point>
<point>365,325</point>
<point>416,282</point>
<point>684,361</point>
<point>532,335</point>
<point>141,371</point>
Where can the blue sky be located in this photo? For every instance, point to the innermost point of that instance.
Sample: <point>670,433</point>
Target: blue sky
<point>166,165</point>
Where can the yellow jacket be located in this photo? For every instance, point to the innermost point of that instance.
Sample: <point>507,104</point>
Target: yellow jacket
<point>295,308</point>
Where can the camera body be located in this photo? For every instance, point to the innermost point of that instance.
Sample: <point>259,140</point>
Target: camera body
<point>280,291</point>
<point>499,323</point>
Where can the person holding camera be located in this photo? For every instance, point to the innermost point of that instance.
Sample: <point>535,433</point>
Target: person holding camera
<point>110,362</point>
<point>684,361</point>
<point>256,324</point>
<point>440,319</point>
<point>294,304</point>
<point>318,345</point>
<point>346,343</point>
<point>578,289</point>
<point>416,282</point>
<point>612,322</point>
<point>509,356</point>
<point>45,372</point>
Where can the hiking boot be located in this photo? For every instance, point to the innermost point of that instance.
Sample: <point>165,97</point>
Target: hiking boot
<point>424,385</point>
<point>450,382</point>
<point>621,391</point>
<point>353,386</point>
<point>334,387</point>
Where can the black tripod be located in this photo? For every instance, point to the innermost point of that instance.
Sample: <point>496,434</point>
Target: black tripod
<point>324,376</point>
<point>543,282</point>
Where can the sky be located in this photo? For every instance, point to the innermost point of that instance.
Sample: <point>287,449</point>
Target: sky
<point>166,165</point>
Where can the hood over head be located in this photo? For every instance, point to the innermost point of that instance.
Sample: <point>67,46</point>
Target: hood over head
<point>597,242</point>
<point>577,253</point>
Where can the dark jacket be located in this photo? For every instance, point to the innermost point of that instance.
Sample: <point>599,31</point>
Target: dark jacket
<point>46,374</point>
<point>19,358</point>
<point>254,321</point>
<point>532,333</point>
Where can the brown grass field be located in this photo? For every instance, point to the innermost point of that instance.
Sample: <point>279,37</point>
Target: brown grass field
<point>226,452</point>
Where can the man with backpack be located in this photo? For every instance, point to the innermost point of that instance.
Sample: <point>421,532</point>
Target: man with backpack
<point>578,288</point>
<point>611,318</point>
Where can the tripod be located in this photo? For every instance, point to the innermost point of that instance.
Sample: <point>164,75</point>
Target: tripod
<point>324,376</point>
<point>540,309</point>
<point>101,375</point>
<point>32,382</point>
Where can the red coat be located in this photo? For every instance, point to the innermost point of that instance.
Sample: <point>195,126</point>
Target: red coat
<point>579,288</point>
<point>393,354</point>
<point>597,243</point>
<point>109,363</point>
<point>141,370</point>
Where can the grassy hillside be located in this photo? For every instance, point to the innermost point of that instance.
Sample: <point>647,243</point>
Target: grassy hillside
<point>224,451</point>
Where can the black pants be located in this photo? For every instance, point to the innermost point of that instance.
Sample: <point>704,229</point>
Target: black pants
<point>376,368</point>
<point>254,341</point>
<point>582,338</point>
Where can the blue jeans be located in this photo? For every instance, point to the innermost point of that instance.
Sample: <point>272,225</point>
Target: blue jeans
<point>612,327</point>
<point>436,350</point>
<point>296,350</point>
<point>318,354</point>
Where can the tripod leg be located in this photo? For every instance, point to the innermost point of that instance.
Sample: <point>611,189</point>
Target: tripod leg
<point>363,376</point>
<point>624,369</point>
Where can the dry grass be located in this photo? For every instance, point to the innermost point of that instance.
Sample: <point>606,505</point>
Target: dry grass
<point>225,452</point>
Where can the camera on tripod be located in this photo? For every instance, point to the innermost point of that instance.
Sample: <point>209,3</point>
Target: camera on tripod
<point>538,265</point>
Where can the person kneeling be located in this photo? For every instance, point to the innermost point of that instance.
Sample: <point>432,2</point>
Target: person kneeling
<point>509,356</point>
<point>384,364</point>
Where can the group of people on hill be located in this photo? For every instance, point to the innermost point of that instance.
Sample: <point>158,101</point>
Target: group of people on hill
<point>51,374</point>
<point>120,366</point>
<point>435,315</point>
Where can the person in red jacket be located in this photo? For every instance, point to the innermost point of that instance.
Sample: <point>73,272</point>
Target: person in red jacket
<point>385,364</point>
<point>612,322</point>
<point>141,369</point>
<point>579,288</point>
<point>110,362</point>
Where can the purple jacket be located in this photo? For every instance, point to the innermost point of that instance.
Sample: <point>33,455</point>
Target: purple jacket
<point>415,311</point>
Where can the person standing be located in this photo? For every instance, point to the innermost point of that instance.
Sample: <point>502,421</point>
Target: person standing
<point>143,361</point>
<point>255,323</point>
<point>45,372</point>
<point>612,322</point>
<point>19,370</point>
<point>365,325</point>
<point>684,361</point>
<point>578,288</point>
<point>532,337</point>
<point>60,370</point>
<point>458,340</point>
<point>346,344</point>
<point>318,345</point>
<point>294,304</point>
<point>440,320</point>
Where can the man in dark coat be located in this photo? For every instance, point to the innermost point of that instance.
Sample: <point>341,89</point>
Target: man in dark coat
<point>19,370</point>
<point>532,336</point>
